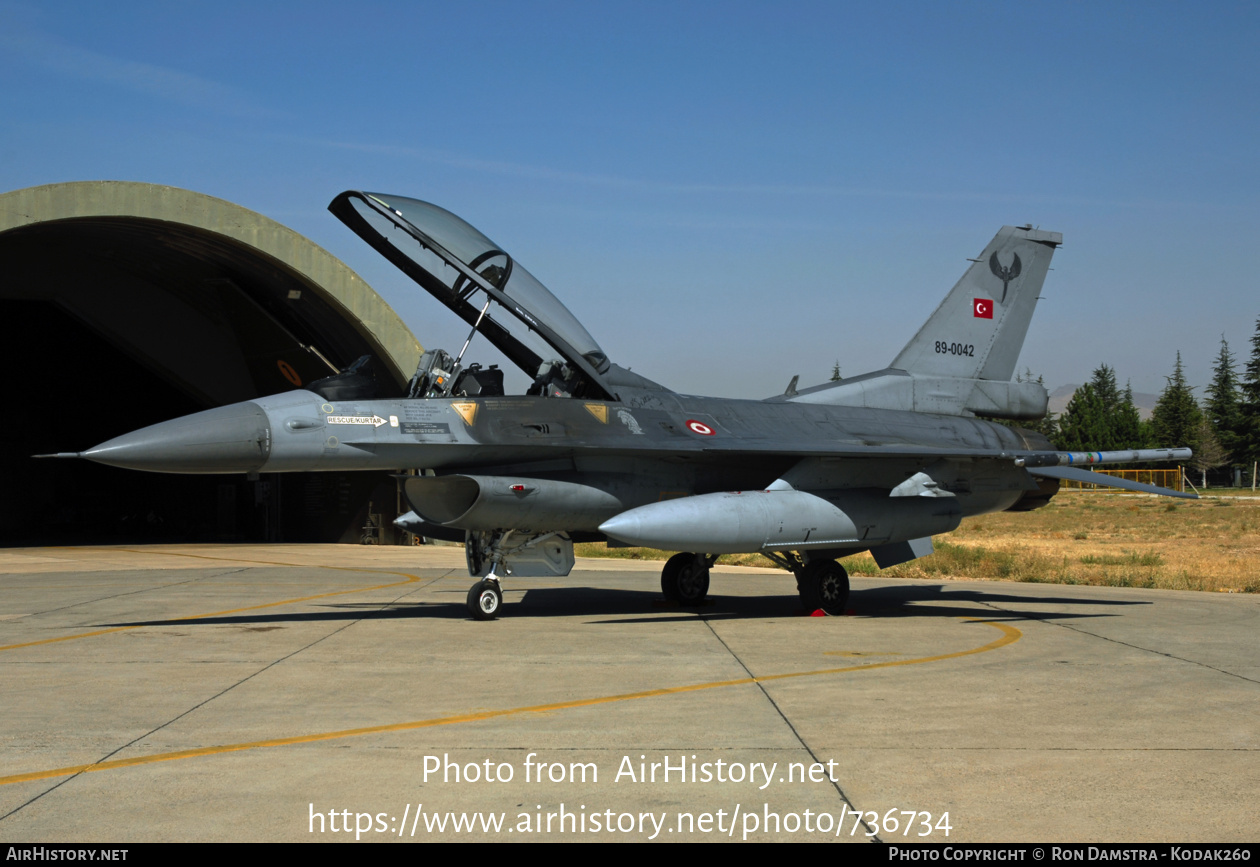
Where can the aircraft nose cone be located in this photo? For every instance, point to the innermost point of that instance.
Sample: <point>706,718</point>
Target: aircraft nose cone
<point>228,439</point>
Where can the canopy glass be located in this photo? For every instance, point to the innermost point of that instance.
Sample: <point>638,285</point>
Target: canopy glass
<point>473,276</point>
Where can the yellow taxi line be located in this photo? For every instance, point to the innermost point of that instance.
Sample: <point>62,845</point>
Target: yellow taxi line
<point>1009,635</point>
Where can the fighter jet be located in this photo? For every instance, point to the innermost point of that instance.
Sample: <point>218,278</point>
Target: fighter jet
<point>591,451</point>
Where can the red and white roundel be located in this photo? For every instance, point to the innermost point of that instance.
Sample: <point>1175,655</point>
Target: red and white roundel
<point>699,427</point>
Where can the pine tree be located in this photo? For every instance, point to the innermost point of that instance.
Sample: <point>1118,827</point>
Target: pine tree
<point>1208,453</point>
<point>1104,382</point>
<point>1129,431</point>
<point>1248,429</point>
<point>1222,406</point>
<point>1082,425</point>
<point>1175,422</point>
<point>1100,417</point>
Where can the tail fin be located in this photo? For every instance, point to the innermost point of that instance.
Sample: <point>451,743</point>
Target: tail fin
<point>979,329</point>
<point>961,361</point>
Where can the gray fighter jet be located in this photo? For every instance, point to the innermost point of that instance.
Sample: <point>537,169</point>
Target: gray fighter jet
<point>591,451</point>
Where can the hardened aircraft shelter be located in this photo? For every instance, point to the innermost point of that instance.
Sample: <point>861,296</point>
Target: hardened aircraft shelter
<point>130,303</point>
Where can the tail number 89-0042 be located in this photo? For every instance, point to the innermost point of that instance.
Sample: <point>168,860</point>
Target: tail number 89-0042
<point>955,348</point>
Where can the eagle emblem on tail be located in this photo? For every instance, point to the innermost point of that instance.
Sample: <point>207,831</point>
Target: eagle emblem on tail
<point>1006,275</point>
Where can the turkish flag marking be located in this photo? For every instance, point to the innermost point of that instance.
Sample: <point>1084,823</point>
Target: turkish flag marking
<point>983,308</point>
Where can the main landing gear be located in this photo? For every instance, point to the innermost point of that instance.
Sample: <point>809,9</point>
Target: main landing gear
<point>823,584</point>
<point>685,578</point>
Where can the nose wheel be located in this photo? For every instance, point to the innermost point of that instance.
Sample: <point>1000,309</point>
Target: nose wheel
<point>485,598</point>
<point>685,578</point>
<point>824,584</point>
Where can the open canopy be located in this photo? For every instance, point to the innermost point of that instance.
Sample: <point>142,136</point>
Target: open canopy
<point>465,270</point>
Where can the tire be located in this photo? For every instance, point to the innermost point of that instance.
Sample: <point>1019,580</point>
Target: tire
<point>824,585</point>
<point>485,600</point>
<point>685,580</point>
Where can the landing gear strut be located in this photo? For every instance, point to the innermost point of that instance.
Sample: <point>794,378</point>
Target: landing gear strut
<point>685,578</point>
<point>824,584</point>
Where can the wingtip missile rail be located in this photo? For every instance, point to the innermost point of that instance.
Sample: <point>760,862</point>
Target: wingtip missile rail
<point>1073,459</point>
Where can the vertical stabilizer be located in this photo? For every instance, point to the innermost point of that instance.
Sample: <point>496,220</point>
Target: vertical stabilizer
<point>978,330</point>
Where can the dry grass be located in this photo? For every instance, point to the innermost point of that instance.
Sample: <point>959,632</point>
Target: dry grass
<point>1080,538</point>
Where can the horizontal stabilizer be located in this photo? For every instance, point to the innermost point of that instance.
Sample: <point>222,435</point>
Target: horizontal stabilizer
<point>1074,474</point>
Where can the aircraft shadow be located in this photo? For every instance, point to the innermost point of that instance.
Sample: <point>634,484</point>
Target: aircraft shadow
<point>905,600</point>
<point>644,606</point>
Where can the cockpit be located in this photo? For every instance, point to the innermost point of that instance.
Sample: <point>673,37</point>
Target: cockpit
<point>493,294</point>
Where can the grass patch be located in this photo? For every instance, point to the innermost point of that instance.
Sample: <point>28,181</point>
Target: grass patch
<point>976,562</point>
<point>1128,558</point>
<point>1105,540</point>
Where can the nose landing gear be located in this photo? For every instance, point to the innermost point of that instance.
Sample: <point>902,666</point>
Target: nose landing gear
<point>485,598</point>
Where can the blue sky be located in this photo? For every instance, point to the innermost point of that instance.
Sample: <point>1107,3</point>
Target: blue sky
<point>726,194</point>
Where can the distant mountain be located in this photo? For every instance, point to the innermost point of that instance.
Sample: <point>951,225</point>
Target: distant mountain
<point>1059,398</point>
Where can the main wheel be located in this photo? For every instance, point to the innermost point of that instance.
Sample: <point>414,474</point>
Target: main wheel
<point>685,579</point>
<point>824,584</point>
<point>484,600</point>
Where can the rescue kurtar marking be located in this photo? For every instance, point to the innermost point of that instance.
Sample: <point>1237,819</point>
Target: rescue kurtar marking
<point>374,420</point>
